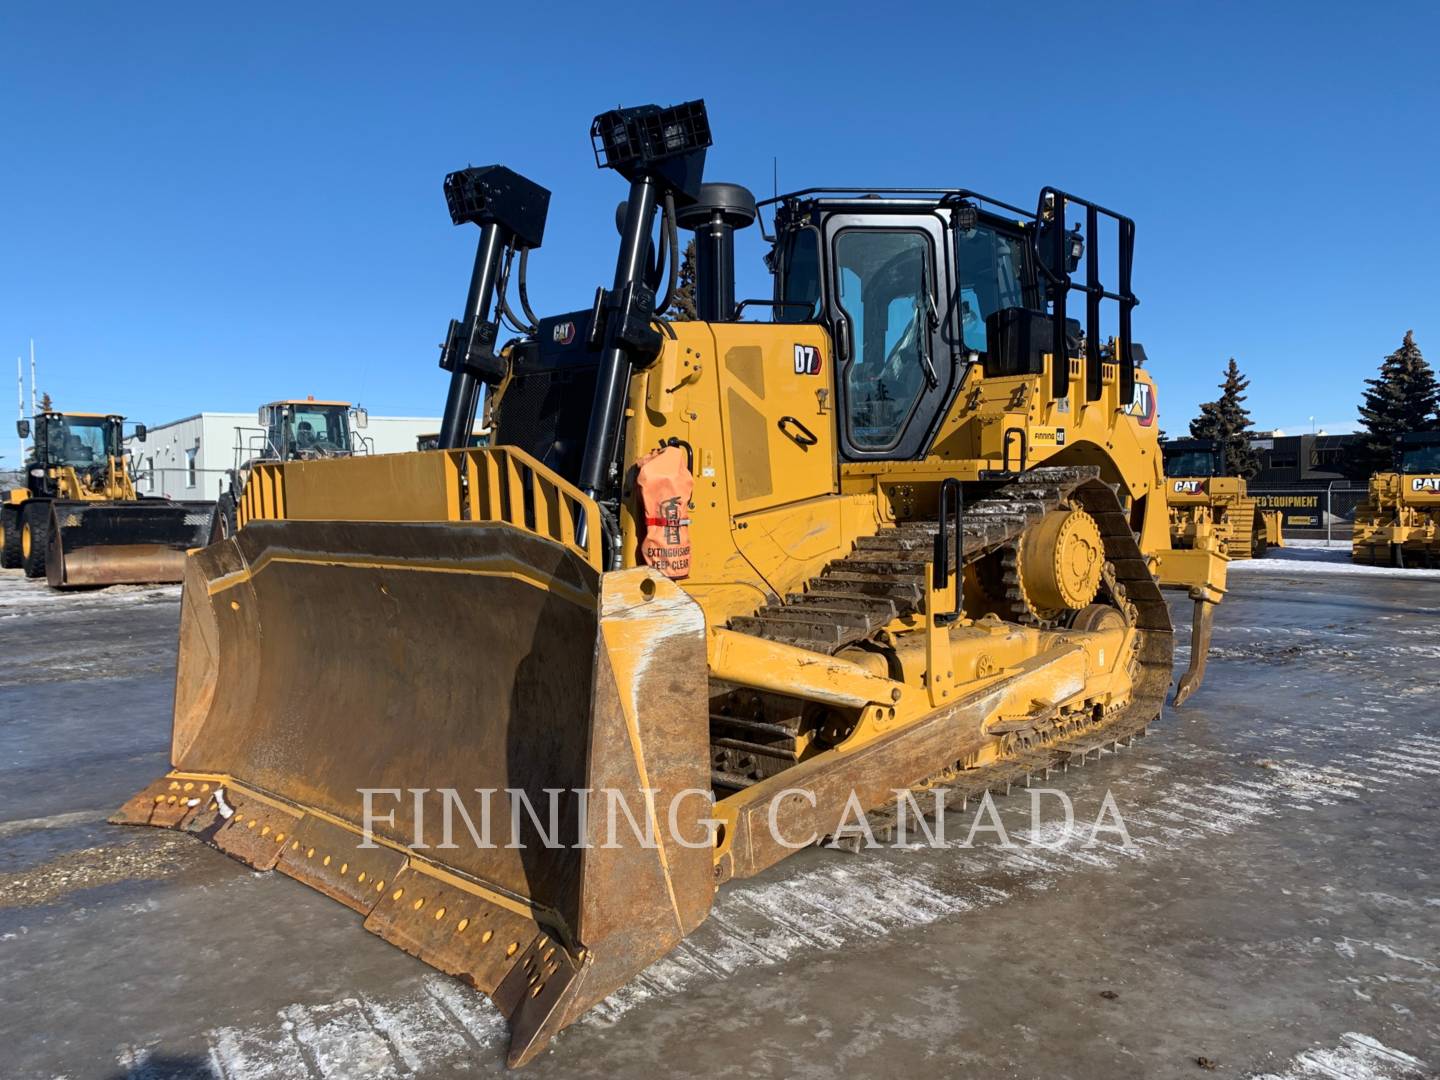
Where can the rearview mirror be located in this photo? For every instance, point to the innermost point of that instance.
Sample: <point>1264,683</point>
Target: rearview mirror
<point>361,416</point>
<point>22,428</point>
<point>140,432</point>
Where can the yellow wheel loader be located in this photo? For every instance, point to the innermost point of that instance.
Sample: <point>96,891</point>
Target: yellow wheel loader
<point>1399,522</point>
<point>79,521</point>
<point>291,430</point>
<point>715,587</point>
<point>1211,510</point>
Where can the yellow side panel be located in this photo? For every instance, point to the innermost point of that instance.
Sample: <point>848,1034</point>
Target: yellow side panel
<point>776,398</point>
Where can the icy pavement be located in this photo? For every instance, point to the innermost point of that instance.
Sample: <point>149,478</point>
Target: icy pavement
<point>1277,913</point>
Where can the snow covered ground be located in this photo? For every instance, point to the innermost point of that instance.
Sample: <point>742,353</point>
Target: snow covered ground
<point>21,596</point>
<point>1313,557</point>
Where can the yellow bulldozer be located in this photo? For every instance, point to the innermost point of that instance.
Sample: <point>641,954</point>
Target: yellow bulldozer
<point>1398,524</point>
<point>714,586</point>
<point>1211,510</point>
<point>79,521</point>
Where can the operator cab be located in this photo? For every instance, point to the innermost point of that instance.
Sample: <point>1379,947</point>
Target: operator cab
<point>84,442</point>
<point>1192,457</point>
<point>79,440</point>
<point>915,287</point>
<point>1419,452</point>
<point>306,429</point>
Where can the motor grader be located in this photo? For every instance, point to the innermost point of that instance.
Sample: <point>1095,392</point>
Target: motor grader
<point>1211,510</point>
<point>743,575</point>
<point>79,521</point>
<point>1398,524</point>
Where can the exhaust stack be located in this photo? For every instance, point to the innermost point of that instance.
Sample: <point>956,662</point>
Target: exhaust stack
<point>720,210</point>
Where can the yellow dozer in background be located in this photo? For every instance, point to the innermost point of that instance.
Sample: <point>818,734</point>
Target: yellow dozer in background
<point>1399,522</point>
<point>714,585</point>
<point>79,520</point>
<point>1211,510</point>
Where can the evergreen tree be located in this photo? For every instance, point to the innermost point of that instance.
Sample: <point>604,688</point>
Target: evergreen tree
<point>1225,420</point>
<point>45,403</point>
<point>1403,398</point>
<point>682,305</point>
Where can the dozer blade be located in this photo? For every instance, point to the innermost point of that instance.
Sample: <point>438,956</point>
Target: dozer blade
<point>1201,627</point>
<point>334,676</point>
<point>119,543</point>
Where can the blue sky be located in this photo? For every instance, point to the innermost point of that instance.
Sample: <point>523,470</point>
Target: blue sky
<point>207,207</point>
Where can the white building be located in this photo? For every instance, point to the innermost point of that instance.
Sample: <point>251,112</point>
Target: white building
<point>191,457</point>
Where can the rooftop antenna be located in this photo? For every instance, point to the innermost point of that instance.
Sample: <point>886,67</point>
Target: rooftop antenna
<point>775,175</point>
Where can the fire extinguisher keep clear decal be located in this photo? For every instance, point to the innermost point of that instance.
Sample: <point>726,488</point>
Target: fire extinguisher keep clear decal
<point>665,486</point>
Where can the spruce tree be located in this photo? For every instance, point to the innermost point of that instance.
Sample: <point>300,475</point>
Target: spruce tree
<point>45,403</point>
<point>1225,420</point>
<point>682,305</point>
<point>1402,399</point>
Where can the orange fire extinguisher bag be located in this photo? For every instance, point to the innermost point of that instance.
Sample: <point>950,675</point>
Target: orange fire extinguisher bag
<point>665,485</point>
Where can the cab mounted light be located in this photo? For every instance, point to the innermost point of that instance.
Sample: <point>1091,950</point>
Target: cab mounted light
<point>963,212</point>
<point>665,143</point>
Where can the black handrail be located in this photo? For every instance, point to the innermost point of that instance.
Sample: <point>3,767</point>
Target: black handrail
<point>952,505</point>
<point>1053,202</point>
<point>1011,433</point>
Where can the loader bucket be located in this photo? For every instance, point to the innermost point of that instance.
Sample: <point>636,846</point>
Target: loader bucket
<point>115,543</point>
<point>348,692</point>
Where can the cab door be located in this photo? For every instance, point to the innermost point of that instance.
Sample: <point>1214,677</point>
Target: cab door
<point>888,277</point>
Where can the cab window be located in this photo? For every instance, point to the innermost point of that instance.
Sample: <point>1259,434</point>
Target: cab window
<point>881,285</point>
<point>1424,458</point>
<point>991,266</point>
<point>800,278</point>
<point>80,441</point>
<point>1190,463</point>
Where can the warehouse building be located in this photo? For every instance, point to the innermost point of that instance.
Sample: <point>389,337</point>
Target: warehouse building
<point>190,458</point>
